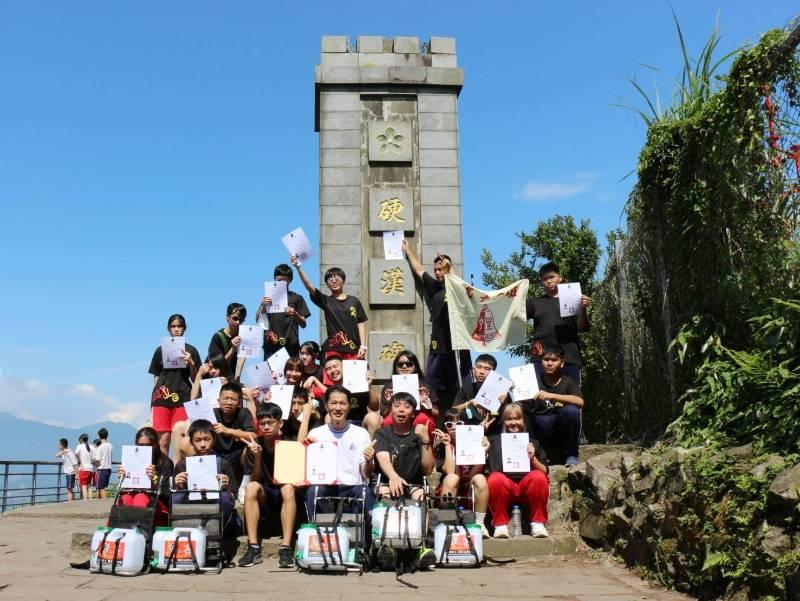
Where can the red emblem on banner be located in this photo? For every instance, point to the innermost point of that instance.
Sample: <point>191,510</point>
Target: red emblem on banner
<point>485,331</point>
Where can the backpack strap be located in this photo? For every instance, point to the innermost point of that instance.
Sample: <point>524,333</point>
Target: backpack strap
<point>319,537</point>
<point>448,541</point>
<point>224,341</point>
<point>460,518</point>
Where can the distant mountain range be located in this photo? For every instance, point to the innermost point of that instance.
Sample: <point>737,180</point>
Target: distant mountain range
<point>24,439</point>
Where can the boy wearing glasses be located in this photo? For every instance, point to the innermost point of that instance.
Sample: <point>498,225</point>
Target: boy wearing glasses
<point>344,315</point>
<point>261,494</point>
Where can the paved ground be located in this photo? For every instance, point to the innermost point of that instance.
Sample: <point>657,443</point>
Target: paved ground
<point>35,551</point>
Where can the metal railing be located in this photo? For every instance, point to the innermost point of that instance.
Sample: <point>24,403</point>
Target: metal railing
<point>33,483</point>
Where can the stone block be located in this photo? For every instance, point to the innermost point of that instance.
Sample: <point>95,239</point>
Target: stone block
<point>412,60</point>
<point>390,141</point>
<point>340,196</point>
<point>447,61</point>
<point>376,59</point>
<point>439,195</point>
<point>350,215</point>
<point>435,246</point>
<point>374,74</point>
<point>408,74</point>
<point>438,122</point>
<point>349,157</point>
<point>343,254</point>
<point>340,234</point>
<point>369,43</point>
<point>443,76</point>
<point>340,138</point>
<point>441,215</point>
<point>406,44</point>
<point>390,283</point>
<point>438,158</point>
<point>436,139</point>
<point>340,176</point>
<point>340,120</point>
<point>340,59</point>
<point>339,101</point>
<point>436,103</point>
<point>335,43</point>
<point>439,45</point>
<point>391,208</point>
<point>438,176</point>
<point>384,347</point>
<point>326,74</point>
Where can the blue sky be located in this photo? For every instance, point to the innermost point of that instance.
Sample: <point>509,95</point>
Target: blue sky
<point>152,154</point>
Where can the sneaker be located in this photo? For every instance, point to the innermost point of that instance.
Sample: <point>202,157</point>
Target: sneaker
<point>285,559</point>
<point>485,531</point>
<point>386,558</point>
<point>571,460</point>
<point>426,558</point>
<point>251,557</point>
<point>501,531</point>
<point>538,530</point>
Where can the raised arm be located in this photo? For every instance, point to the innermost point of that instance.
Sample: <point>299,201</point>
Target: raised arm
<point>309,285</point>
<point>413,261</point>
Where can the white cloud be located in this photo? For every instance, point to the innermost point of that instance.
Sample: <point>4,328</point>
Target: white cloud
<point>67,405</point>
<point>538,191</point>
<point>547,191</point>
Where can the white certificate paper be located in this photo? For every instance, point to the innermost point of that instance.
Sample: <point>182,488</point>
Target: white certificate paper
<point>135,460</point>
<point>355,376</point>
<point>260,376</point>
<point>279,293</point>
<point>200,409</point>
<point>209,389</point>
<point>281,395</point>
<point>251,341</point>
<point>322,462</point>
<point>493,387</point>
<point>277,361</point>
<point>525,383</point>
<point>515,452</point>
<point>569,299</point>
<point>469,450</point>
<point>172,347</point>
<point>202,472</point>
<point>296,242</point>
<point>406,383</point>
<point>392,245</point>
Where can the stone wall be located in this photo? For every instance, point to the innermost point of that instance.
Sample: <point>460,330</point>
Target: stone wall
<point>386,113</point>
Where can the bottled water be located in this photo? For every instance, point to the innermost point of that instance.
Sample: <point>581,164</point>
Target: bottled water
<point>515,527</point>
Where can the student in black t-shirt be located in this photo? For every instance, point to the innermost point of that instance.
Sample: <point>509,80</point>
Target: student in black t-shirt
<point>234,427</point>
<point>225,342</point>
<point>281,329</point>
<point>441,369</point>
<point>465,398</point>
<point>403,453</point>
<point>551,329</point>
<point>261,494</point>
<point>313,374</point>
<point>345,318</point>
<point>555,412</point>
<point>171,386</point>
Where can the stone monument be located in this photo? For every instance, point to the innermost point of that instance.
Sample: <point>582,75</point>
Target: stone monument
<point>386,113</point>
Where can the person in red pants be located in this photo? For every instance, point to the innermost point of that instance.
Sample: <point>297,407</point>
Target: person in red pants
<point>511,483</point>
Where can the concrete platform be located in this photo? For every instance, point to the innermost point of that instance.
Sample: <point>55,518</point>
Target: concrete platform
<point>35,548</point>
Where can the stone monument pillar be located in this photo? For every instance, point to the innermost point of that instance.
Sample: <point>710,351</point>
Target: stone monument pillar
<point>386,113</point>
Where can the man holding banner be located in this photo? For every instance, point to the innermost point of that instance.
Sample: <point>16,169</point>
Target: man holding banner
<point>442,369</point>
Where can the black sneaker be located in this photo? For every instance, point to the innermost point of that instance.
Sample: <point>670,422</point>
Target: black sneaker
<point>426,558</point>
<point>251,557</point>
<point>285,559</point>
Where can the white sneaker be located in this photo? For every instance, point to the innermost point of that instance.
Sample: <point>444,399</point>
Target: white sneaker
<point>501,532</point>
<point>538,530</point>
<point>485,531</point>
